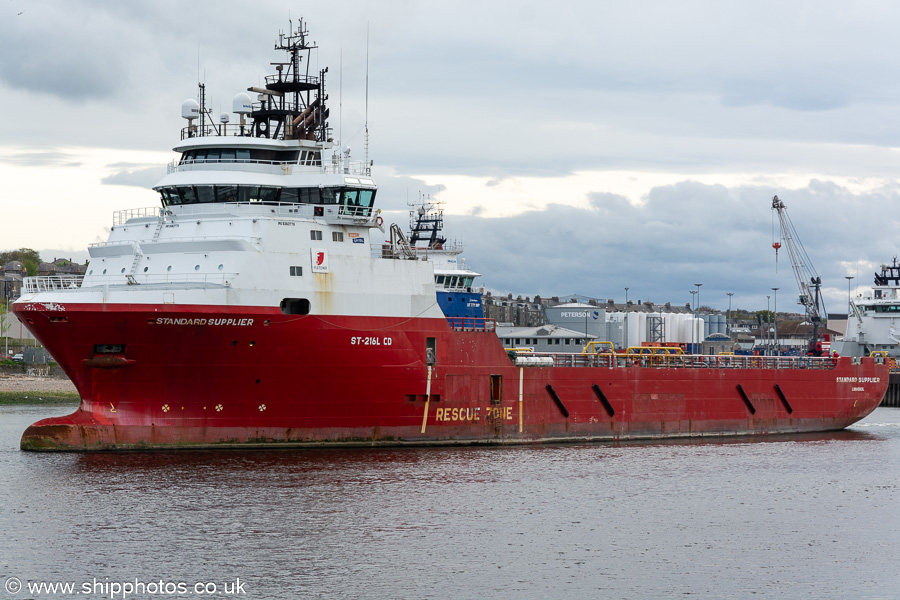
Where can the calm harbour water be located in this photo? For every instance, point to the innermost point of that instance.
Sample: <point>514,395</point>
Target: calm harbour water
<point>814,516</point>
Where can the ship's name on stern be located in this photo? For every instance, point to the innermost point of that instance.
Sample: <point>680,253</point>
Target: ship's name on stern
<point>220,322</point>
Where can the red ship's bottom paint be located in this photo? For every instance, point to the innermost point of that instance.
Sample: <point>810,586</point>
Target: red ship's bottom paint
<point>209,376</point>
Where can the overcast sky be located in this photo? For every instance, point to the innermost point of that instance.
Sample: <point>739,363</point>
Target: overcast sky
<point>580,147</point>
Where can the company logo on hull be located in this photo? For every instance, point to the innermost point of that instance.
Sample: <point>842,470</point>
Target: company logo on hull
<point>319,260</point>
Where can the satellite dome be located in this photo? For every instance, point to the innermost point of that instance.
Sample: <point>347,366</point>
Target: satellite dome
<point>190,109</point>
<point>241,104</point>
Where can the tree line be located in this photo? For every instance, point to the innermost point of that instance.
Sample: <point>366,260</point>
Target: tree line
<point>29,258</point>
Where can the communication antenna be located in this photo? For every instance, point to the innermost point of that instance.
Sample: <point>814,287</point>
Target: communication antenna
<point>366,157</point>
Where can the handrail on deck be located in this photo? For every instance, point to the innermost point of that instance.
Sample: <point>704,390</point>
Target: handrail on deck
<point>51,283</point>
<point>471,324</point>
<point>690,361</point>
<point>120,217</point>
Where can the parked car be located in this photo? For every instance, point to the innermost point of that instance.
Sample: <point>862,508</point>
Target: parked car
<point>18,357</point>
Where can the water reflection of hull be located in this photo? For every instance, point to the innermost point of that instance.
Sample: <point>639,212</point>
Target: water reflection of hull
<point>192,377</point>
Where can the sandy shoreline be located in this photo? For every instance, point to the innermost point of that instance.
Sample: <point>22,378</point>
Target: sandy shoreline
<point>25,383</point>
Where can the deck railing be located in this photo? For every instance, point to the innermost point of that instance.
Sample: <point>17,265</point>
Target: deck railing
<point>271,167</point>
<point>51,283</point>
<point>120,217</point>
<point>471,324</point>
<point>687,361</point>
<point>71,283</point>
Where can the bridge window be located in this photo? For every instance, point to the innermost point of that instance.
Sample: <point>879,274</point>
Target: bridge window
<point>169,197</point>
<point>203,155</point>
<point>331,196</point>
<point>258,194</point>
<point>310,195</point>
<point>269,194</point>
<point>310,158</point>
<point>355,201</point>
<point>226,193</point>
<point>337,236</point>
<point>205,193</point>
<point>315,234</point>
<point>187,195</point>
<point>366,197</point>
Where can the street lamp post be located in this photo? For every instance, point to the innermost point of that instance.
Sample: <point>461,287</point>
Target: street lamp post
<point>698,309</point>
<point>849,303</point>
<point>768,312</point>
<point>728,317</point>
<point>625,342</point>
<point>693,318</point>
<point>775,291</point>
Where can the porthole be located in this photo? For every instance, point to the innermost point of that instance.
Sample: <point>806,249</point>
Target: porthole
<point>145,269</point>
<point>196,267</point>
<point>221,267</point>
<point>91,272</point>
<point>170,268</point>
<point>104,271</point>
<point>123,269</point>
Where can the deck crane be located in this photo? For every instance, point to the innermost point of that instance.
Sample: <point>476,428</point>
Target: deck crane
<point>807,279</point>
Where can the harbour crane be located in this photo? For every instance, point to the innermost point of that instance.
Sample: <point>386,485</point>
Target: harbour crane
<point>808,281</point>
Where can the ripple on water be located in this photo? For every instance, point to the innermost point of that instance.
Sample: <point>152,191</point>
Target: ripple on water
<point>797,516</point>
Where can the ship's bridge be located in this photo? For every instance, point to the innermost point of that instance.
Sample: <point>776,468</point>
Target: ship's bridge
<point>355,196</point>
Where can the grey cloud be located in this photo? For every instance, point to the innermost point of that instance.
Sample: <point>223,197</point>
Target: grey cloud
<point>684,234</point>
<point>609,85</point>
<point>143,177</point>
<point>39,158</point>
<point>399,192</point>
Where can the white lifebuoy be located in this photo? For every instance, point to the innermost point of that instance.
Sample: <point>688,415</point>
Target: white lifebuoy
<point>379,221</point>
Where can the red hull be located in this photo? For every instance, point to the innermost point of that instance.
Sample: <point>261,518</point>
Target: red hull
<point>220,376</point>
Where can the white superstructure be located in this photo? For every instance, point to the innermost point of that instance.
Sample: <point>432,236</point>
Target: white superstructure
<point>269,212</point>
<point>873,324</point>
